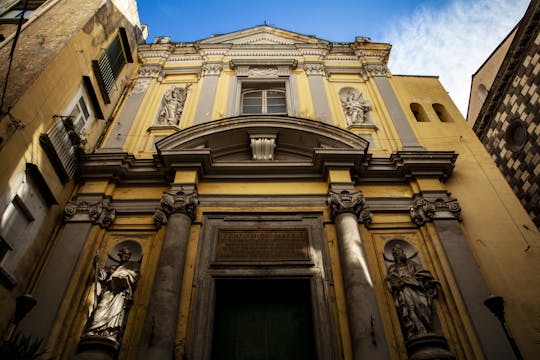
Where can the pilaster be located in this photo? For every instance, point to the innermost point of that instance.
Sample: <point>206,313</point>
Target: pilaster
<point>444,212</point>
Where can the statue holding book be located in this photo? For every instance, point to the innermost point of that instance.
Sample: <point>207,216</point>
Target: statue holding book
<point>113,296</point>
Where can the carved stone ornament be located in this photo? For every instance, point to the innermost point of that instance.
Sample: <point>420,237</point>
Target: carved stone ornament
<point>424,210</point>
<point>263,71</point>
<point>172,105</point>
<point>376,69</point>
<point>212,69</point>
<point>178,202</point>
<point>100,213</point>
<point>355,107</point>
<point>314,69</point>
<point>149,71</point>
<point>141,85</point>
<point>347,202</point>
<point>263,146</point>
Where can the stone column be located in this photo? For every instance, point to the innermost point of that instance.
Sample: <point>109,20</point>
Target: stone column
<point>445,213</point>
<point>177,210</point>
<point>367,333</point>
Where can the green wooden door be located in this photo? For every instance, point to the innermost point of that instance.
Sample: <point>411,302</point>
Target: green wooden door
<point>263,320</point>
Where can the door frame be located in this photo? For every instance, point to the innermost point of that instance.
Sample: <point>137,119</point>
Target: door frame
<point>316,269</point>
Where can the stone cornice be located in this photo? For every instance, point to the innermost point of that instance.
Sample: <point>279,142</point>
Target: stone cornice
<point>218,150</point>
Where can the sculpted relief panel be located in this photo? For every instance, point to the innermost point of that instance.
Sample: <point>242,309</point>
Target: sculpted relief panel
<point>355,107</point>
<point>172,106</point>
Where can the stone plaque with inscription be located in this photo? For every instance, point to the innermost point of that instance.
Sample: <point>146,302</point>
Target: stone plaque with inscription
<point>262,245</point>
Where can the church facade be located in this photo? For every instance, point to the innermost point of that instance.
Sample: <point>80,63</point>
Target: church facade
<point>269,194</point>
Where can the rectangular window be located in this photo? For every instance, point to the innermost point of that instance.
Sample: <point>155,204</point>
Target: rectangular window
<point>107,69</point>
<point>264,98</point>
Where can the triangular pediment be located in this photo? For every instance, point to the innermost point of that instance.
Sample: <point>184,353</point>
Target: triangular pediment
<point>262,35</point>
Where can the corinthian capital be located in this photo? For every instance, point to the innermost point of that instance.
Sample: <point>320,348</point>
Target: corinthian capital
<point>314,69</point>
<point>347,202</point>
<point>212,68</point>
<point>442,207</point>
<point>177,202</point>
<point>100,213</point>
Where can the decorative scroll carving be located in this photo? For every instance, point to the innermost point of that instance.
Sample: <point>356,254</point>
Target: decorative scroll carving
<point>263,146</point>
<point>113,293</point>
<point>263,71</point>
<point>149,71</point>
<point>178,202</point>
<point>355,107</point>
<point>376,69</point>
<point>347,202</point>
<point>424,210</point>
<point>314,69</point>
<point>100,213</point>
<point>172,105</point>
<point>413,289</point>
<point>212,69</point>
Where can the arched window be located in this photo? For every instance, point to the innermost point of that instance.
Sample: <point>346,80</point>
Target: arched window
<point>258,99</point>
<point>441,112</point>
<point>419,113</point>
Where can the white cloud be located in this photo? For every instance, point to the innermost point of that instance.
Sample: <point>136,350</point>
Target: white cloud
<point>452,42</point>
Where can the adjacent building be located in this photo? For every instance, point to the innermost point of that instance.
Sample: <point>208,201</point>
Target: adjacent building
<point>504,108</point>
<point>255,194</point>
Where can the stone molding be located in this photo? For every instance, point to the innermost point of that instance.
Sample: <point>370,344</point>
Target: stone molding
<point>349,202</point>
<point>428,208</point>
<point>176,202</point>
<point>100,213</point>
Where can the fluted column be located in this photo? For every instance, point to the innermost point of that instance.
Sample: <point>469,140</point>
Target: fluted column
<point>367,334</point>
<point>177,210</point>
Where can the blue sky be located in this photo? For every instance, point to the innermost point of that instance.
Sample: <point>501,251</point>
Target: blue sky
<point>448,38</point>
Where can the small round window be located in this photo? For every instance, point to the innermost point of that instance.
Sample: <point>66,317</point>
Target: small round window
<point>516,135</point>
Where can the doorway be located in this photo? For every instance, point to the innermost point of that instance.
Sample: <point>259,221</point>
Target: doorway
<point>263,319</point>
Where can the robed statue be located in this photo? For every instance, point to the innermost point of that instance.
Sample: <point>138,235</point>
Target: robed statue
<point>355,107</point>
<point>413,289</point>
<point>172,105</point>
<point>113,296</point>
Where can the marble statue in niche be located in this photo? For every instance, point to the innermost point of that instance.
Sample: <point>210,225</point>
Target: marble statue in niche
<point>172,106</point>
<point>113,293</point>
<point>413,289</point>
<point>355,107</point>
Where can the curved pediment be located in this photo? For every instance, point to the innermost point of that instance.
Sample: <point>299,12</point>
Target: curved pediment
<point>250,143</point>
